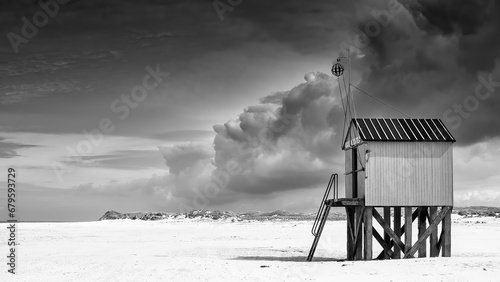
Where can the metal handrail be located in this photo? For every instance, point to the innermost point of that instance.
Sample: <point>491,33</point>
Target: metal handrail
<point>336,188</point>
<point>333,181</point>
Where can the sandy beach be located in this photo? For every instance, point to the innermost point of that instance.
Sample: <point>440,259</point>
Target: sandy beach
<point>201,250</point>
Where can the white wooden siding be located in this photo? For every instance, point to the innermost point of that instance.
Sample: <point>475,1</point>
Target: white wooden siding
<point>408,173</point>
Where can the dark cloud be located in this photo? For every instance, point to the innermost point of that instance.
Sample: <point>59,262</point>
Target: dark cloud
<point>9,149</point>
<point>91,52</point>
<point>427,59</point>
<point>312,27</point>
<point>475,23</point>
<point>450,16</point>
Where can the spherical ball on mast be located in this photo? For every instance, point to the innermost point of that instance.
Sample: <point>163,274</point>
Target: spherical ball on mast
<point>337,69</point>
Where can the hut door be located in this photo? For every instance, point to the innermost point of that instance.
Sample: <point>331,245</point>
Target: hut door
<point>354,172</point>
<point>354,162</point>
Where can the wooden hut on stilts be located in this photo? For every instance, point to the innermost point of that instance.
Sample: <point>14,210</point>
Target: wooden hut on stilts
<point>399,175</point>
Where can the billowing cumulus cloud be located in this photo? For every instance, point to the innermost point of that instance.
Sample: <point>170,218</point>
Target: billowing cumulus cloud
<point>289,141</point>
<point>282,146</point>
<point>181,157</point>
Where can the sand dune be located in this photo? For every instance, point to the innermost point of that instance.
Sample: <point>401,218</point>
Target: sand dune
<point>207,250</point>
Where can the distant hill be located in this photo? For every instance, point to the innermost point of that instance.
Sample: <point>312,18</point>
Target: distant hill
<point>477,211</point>
<point>110,215</point>
<point>277,215</point>
<point>280,215</point>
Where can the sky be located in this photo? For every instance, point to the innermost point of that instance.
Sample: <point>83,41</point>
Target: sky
<point>177,105</point>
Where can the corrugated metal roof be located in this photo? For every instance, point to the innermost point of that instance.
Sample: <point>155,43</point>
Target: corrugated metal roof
<point>392,129</point>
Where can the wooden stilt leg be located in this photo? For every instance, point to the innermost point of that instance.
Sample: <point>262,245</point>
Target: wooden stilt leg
<point>422,225</point>
<point>350,239</point>
<point>387,238</point>
<point>358,254</point>
<point>397,230</point>
<point>408,229</point>
<point>433,240</point>
<point>446,241</point>
<point>368,233</point>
